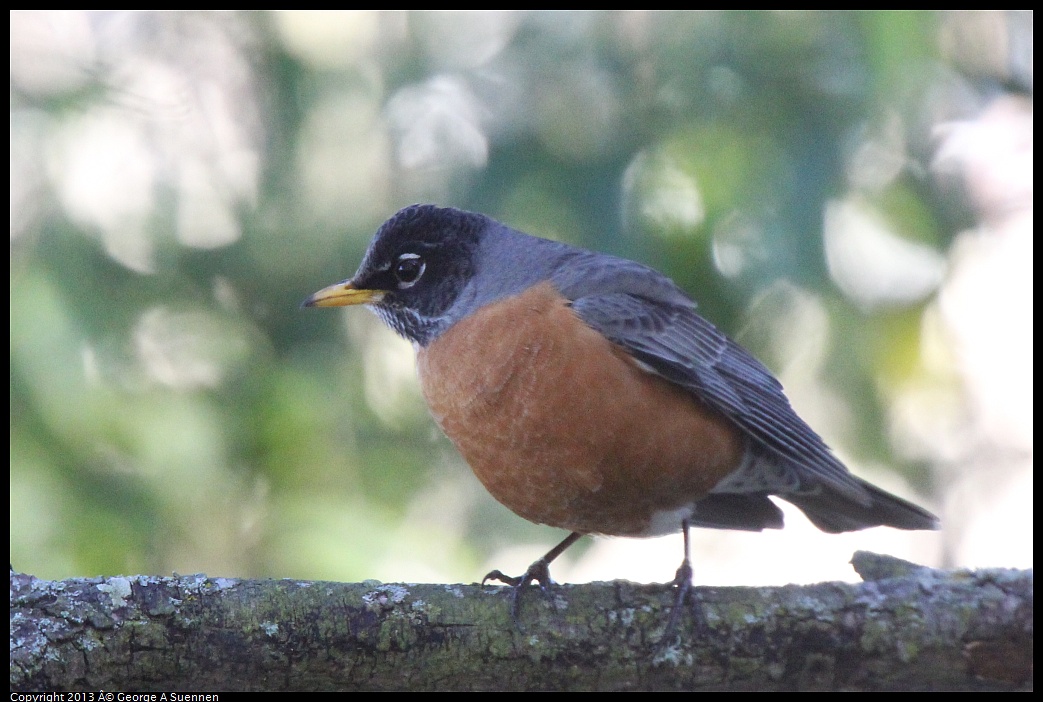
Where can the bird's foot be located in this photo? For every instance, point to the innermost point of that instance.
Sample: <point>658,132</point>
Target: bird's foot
<point>683,583</point>
<point>538,572</point>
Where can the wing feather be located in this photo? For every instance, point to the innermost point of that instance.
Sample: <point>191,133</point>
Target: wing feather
<point>660,327</point>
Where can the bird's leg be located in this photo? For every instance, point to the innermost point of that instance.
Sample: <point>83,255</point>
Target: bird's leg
<point>683,581</point>
<point>538,572</point>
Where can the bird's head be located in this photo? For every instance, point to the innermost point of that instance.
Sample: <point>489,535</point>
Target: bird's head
<point>416,267</point>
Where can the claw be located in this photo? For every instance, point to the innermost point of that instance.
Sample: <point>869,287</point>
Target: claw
<point>498,576</point>
<point>538,572</point>
<point>683,582</point>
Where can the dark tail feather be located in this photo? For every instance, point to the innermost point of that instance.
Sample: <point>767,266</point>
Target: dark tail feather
<point>729,511</point>
<point>833,512</point>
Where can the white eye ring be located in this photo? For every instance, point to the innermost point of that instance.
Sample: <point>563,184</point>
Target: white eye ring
<point>408,270</point>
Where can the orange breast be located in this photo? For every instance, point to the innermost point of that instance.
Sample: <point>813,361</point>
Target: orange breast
<point>563,427</point>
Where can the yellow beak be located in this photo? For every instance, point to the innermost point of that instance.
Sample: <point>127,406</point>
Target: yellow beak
<point>342,294</point>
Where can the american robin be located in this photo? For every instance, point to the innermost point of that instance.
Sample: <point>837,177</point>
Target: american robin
<point>587,393</point>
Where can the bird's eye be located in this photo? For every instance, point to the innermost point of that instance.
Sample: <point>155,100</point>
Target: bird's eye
<point>408,270</point>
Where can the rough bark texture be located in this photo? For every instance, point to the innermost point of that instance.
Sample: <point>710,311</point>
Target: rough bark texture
<point>906,627</point>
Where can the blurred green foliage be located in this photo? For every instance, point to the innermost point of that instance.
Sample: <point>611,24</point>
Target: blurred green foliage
<point>181,181</point>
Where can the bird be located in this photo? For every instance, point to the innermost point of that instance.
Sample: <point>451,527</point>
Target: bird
<point>587,393</point>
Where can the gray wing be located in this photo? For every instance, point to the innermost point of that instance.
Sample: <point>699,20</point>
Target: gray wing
<point>687,350</point>
<point>645,313</point>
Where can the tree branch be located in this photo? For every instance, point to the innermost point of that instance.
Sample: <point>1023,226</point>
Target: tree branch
<point>907,627</point>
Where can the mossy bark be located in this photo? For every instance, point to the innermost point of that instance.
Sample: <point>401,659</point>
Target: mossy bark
<point>907,628</point>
